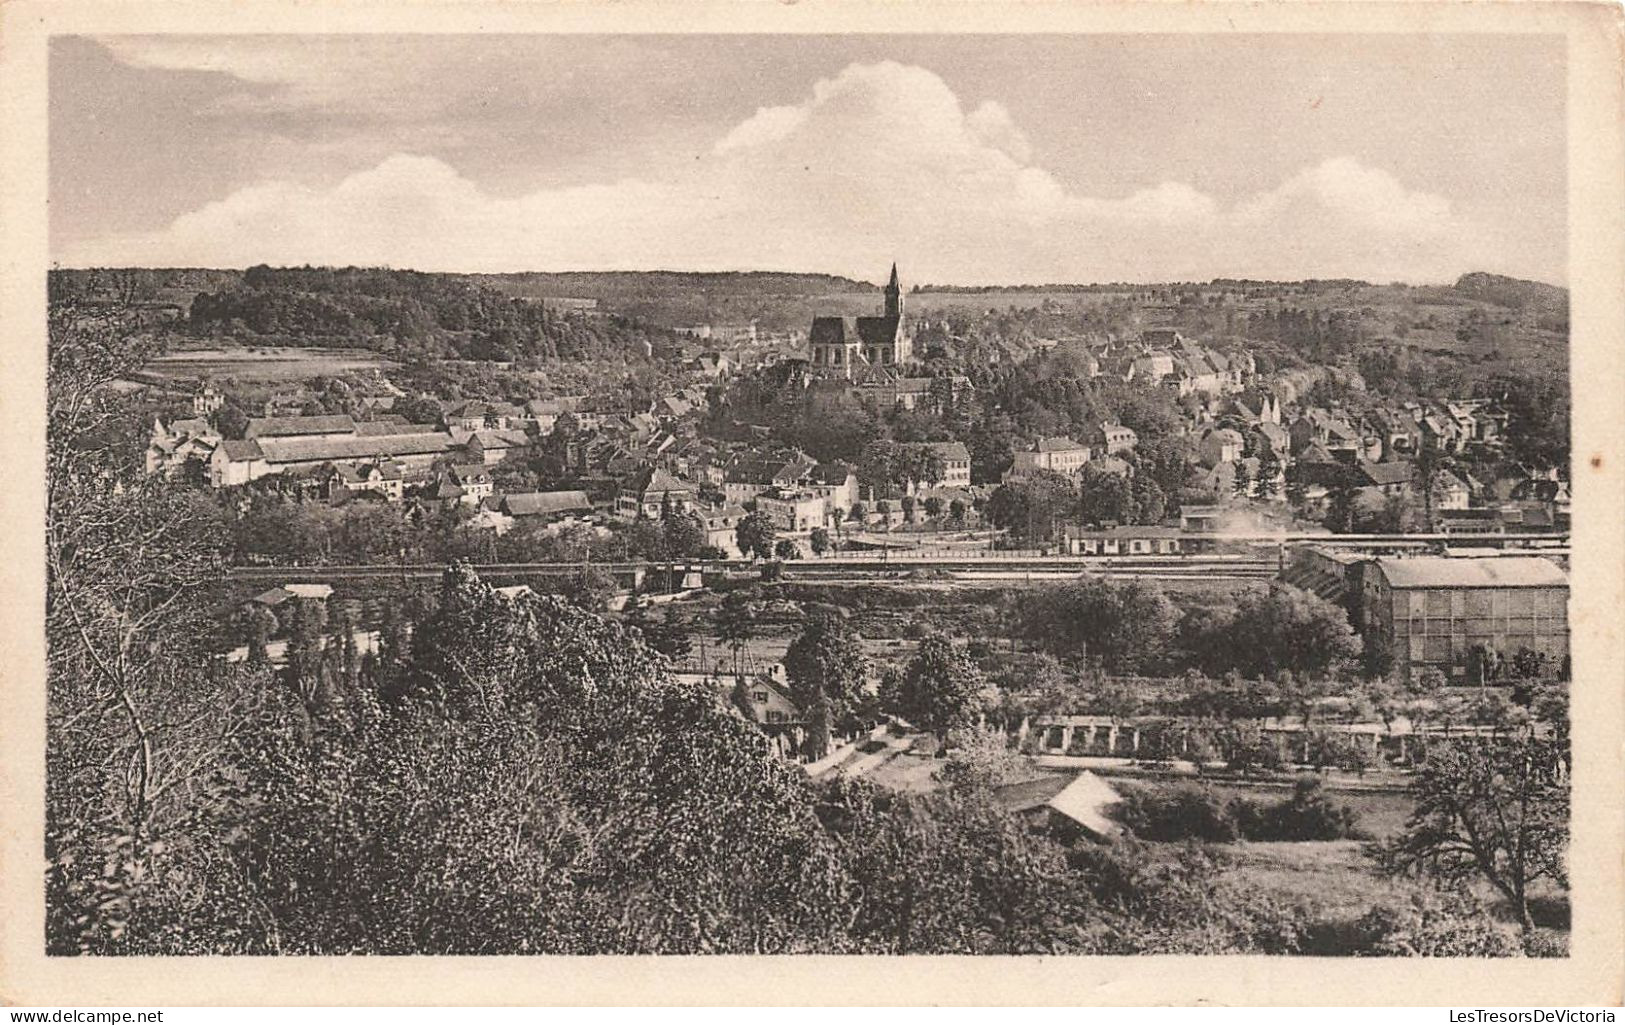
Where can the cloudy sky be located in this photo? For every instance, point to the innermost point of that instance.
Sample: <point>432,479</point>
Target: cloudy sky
<point>968,159</point>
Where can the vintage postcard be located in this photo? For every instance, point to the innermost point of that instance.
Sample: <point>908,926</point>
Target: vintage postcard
<point>814,503</point>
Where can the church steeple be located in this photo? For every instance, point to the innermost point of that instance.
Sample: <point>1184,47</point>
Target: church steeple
<point>894,295</point>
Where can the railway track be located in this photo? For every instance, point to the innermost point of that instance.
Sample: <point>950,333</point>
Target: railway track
<point>1211,567</point>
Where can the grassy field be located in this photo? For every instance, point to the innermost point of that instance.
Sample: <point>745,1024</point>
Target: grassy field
<point>1332,879</point>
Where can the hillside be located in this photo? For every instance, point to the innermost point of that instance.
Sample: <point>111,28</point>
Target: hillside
<point>1485,322</point>
<point>1514,293</point>
<point>625,285</point>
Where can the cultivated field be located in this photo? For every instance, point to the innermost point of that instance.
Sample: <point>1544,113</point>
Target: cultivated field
<point>262,363</point>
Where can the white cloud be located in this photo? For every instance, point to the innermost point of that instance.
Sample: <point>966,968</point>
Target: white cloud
<point>767,125</point>
<point>879,162</point>
<point>991,124</point>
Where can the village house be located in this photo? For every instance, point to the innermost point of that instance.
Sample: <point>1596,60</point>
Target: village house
<point>492,447</point>
<point>768,703</point>
<point>794,511</point>
<point>1272,438</point>
<point>955,462</point>
<point>748,477</point>
<point>207,400</point>
<point>280,595</point>
<point>721,523</point>
<point>651,492</point>
<point>1111,438</point>
<point>1440,431</point>
<point>1152,367</point>
<point>1265,408</point>
<point>1055,455</point>
<point>381,477</point>
<point>545,413</point>
<point>473,480</point>
<point>1221,445</point>
<point>1398,433</point>
<point>1334,434</point>
<point>470,415</point>
<point>836,483</point>
<point>553,508</point>
<point>174,445</point>
<point>1386,479</point>
<point>1450,491</point>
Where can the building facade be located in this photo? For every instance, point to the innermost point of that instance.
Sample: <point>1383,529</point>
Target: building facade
<point>1057,455</point>
<point>1431,612</point>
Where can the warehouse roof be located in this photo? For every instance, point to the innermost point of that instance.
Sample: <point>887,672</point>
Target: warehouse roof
<point>545,503</point>
<point>316,450</point>
<point>294,426</point>
<point>1442,571</point>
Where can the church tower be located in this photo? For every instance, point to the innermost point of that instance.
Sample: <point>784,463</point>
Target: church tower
<point>894,295</point>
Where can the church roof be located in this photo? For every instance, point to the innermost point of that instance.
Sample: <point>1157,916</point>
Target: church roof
<point>847,330</point>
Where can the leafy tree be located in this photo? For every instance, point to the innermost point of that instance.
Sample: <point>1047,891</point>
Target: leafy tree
<point>736,623</point>
<point>1031,509</point>
<point>1127,625</point>
<point>1269,475</point>
<point>755,534</point>
<point>230,421</point>
<point>670,636</point>
<point>683,535</point>
<point>589,588</point>
<point>138,715</point>
<point>1432,924</point>
<point>307,637</point>
<point>466,656</point>
<point>1150,502</point>
<point>1529,664</point>
<point>1104,497</point>
<point>826,669</point>
<point>1340,509</point>
<point>940,690</point>
<point>417,409</point>
<point>1286,628</point>
<point>980,760</point>
<point>1241,484</point>
<point>259,625</point>
<point>785,549</point>
<point>948,872</point>
<point>1491,809</point>
<point>819,540</point>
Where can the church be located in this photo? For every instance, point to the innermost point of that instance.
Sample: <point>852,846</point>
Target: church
<point>850,347</point>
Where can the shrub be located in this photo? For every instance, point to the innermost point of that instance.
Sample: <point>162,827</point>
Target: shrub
<point>1259,755</point>
<point>1430,926</point>
<point>1307,815</point>
<point>1192,812</point>
<point>1178,813</point>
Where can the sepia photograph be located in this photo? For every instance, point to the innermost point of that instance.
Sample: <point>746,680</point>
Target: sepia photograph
<point>733,492</point>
